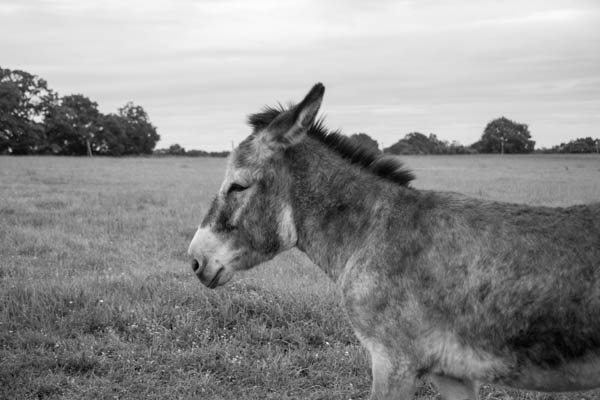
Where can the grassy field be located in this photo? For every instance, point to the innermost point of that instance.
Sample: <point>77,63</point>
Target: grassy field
<point>97,299</point>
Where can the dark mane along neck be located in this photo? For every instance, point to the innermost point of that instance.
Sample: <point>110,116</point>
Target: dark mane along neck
<point>385,166</point>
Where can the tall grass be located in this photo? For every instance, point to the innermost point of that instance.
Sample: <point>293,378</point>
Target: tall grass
<point>97,299</point>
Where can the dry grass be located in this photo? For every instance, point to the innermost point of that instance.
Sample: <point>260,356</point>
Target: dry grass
<point>97,299</point>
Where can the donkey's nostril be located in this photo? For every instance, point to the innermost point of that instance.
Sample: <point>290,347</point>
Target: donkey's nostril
<point>199,265</point>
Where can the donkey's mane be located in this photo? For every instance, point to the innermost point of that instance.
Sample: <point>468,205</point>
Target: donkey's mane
<point>385,166</point>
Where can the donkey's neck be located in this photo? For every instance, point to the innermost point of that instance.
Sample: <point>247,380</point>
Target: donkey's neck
<point>336,205</point>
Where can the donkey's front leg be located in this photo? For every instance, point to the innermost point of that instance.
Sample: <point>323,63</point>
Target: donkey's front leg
<point>394,377</point>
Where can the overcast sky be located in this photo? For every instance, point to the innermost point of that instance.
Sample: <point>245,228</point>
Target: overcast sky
<point>389,67</point>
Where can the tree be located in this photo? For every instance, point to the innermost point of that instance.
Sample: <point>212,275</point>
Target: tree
<point>579,145</point>
<point>176,150</point>
<point>111,136</point>
<point>126,133</point>
<point>366,141</point>
<point>24,98</point>
<point>140,135</point>
<point>415,143</point>
<point>72,125</point>
<point>505,136</point>
<point>418,143</point>
<point>583,145</point>
<point>33,119</point>
<point>456,148</point>
<point>76,127</point>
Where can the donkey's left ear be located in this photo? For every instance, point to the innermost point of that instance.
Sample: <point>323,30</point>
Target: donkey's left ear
<point>291,126</point>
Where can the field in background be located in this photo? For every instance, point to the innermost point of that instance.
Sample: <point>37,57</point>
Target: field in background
<point>97,299</point>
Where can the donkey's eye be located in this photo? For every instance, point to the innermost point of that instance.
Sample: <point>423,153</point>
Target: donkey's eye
<point>236,187</point>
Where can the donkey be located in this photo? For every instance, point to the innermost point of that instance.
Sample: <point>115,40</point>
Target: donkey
<point>436,285</point>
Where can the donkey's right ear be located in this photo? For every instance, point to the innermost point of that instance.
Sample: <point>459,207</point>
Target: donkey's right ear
<point>291,126</point>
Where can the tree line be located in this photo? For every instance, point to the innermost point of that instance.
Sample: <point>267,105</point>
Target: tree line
<point>177,150</point>
<point>579,145</point>
<point>34,119</point>
<point>501,135</point>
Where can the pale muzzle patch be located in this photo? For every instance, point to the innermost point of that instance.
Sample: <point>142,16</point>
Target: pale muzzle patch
<point>212,258</point>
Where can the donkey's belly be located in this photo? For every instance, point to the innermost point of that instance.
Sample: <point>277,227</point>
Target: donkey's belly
<point>578,375</point>
<point>451,357</point>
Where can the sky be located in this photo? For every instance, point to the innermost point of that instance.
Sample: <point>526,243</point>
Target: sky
<point>199,67</point>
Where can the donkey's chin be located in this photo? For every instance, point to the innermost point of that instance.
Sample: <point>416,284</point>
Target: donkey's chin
<point>220,278</point>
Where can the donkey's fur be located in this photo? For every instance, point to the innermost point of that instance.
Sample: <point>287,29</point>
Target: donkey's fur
<point>437,285</point>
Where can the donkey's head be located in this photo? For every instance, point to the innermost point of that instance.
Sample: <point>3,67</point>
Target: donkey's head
<point>250,219</point>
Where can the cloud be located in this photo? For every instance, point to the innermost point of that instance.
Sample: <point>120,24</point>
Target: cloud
<point>548,16</point>
<point>390,67</point>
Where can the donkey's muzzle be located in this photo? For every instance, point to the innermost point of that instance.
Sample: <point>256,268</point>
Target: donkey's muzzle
<point>207,252</point>
<point>199,267</point>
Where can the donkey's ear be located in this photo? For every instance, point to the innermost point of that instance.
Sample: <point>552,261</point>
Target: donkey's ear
<point>291,126</point>
<point>306,111</point>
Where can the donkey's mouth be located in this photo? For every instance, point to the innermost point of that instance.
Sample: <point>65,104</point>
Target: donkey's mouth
<point>214,282</point>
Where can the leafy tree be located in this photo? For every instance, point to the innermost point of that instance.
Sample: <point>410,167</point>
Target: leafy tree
<point>457,148</point>
<point>33,119</point>
<point>24,99</point>
<point>505,136</point>
<point>72,125</point>
<point>416,143</point>
<point>76,127</point>
<point>579,145</point>
<point>400,147</point>
<point>176,150</point>
<point>365,141</point>
<point>125,133</point>
<point>111,136</point>
<point>140,135</point>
